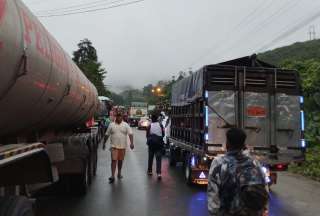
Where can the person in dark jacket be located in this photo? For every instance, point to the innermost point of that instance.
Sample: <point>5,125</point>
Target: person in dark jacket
<point>155,134</point>
<point>236,184</point>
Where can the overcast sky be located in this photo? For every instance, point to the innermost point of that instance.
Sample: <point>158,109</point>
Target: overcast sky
<point>155,39</point>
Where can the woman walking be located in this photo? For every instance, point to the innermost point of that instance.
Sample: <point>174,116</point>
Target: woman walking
<point>155,134</point>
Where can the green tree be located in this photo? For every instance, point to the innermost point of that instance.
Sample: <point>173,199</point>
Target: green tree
<point>309,71</point>
<point>87,60</point>
<point>117,99</point>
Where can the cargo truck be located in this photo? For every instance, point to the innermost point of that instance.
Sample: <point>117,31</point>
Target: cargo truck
<point>260,98</point>
<point>137,110</point>
<point>45,103</point>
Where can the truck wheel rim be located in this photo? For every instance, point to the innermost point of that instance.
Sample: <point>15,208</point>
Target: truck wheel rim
<point>86,178</point>
<point>187,172</point>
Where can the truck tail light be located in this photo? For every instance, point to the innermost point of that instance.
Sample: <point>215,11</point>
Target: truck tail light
<point>279,167</point>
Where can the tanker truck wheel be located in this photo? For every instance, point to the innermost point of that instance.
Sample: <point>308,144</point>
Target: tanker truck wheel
<point>95,164</point>
<point>15,206</point>
<point>84,180</point>
<point>172,158</point>
<point>187,171</point>
<point>80,183</point>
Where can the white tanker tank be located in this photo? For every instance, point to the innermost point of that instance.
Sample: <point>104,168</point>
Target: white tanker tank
<point>40,86</point>
<point>45,101</point>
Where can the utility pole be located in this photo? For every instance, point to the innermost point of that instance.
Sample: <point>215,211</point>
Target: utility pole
<point>312,32</point>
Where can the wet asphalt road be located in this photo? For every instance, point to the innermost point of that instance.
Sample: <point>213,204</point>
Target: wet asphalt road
<point>139,195</point>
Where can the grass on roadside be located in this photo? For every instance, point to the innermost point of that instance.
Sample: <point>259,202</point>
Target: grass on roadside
<point>311,167</point>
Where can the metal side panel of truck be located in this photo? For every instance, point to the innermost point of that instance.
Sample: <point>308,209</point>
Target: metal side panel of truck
<point>45,103</point>
<point>263,100</point>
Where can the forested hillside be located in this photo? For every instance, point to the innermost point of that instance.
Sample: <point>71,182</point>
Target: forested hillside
<point>298,51</point>
<point>305,58</point>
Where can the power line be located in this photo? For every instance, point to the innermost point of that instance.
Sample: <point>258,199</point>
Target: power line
<point>261,26</point>
<point>219,43</point>
<point>79,6</point>
<point>254,12</point>
<point>284,8</point>
<point>92,10</point>
<point>291,30</point>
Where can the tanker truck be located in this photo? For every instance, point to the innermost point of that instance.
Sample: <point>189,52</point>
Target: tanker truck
<point>45,102</point>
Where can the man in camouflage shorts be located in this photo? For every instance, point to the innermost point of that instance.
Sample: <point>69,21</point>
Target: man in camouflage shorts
<point>236,184</point>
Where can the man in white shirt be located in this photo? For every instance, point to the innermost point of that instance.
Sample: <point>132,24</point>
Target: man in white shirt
<point>118,132</point>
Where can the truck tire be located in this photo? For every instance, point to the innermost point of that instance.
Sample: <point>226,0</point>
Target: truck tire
<point>90,169</point>
<point>79,183</point>
<point>172,158</point>
<point>95,163</point>
<point>84,180</point>
<point>15,206</point>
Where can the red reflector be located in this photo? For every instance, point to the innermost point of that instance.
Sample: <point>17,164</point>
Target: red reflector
<point>280,166</point>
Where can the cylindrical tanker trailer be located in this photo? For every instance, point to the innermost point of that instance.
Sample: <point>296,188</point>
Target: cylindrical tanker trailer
<point>45,101</point>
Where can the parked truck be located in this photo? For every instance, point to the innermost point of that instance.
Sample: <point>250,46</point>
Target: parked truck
<point>248,93</point>
<point>45,103</point>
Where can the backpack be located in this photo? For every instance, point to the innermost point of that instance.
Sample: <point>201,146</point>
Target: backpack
<point>155,141</point>
<point>252,193</point>
<point>245,193</point>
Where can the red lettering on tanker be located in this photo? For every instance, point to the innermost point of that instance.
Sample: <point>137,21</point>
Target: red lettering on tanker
<point>256,111</point>
<point>2,13</point>
<point>35,34</point>
<point>2,8</point>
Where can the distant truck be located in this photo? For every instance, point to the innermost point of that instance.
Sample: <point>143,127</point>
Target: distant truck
<point>47,105</point>
<point>103,113</point>
<point>105,106</point>
<point>137,110</point>
<point>247,93</point>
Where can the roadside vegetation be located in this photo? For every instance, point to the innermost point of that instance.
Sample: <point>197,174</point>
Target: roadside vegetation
<point>311,167</point>
<point>305,58</point>
<point>310,75</point>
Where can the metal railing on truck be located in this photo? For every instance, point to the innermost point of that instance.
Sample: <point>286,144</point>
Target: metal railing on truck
<point>188,125</point>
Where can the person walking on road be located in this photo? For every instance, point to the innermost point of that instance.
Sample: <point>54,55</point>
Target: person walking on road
<point>118,131</point>
<point>236,184</point>
<point>155,134</point>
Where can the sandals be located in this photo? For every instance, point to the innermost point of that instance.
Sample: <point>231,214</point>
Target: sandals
<point>111,180</point>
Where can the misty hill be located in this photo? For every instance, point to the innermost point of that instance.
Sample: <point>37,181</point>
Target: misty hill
<point>297,51</point>
<point>135,95</point>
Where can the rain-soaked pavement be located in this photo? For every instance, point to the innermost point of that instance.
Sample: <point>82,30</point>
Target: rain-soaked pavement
<point>140,195</point>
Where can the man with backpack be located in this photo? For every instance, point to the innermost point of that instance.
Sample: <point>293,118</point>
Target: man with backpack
<point>155,134</point>
<point>236,184</point>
